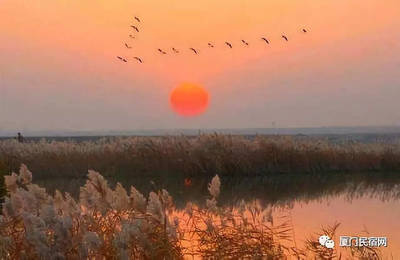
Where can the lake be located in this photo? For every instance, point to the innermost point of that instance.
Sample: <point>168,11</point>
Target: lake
<point>363,204</point>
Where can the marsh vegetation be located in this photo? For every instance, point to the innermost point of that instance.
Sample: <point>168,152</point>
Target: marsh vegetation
<point>107,223</point>
<point>69,213</point>
<point>200,156</point>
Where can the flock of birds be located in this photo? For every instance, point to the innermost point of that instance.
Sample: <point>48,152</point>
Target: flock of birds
<point>195,51</point>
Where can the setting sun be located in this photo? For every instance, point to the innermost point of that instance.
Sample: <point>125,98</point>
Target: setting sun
<point>189,99</point>
<point>171,129</point>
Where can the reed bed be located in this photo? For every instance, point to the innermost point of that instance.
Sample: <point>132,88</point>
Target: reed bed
<point>204,155</point>
<point>107,223</point>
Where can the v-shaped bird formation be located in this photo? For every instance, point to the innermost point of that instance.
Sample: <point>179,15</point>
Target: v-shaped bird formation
<point>137,28</point>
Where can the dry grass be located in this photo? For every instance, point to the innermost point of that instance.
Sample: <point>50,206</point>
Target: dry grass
<point>112,224</point>
<point>3,171</point>
<point>204,155</point>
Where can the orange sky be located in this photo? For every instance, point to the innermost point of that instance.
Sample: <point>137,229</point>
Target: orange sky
<point>58,61</point>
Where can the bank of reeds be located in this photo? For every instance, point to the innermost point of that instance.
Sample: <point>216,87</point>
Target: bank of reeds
<point>203,155</point>
<point>107,223</point>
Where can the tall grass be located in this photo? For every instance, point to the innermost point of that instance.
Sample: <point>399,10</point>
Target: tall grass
<point>110,223</point>
<point>203,155</point>
<point>3,172</point>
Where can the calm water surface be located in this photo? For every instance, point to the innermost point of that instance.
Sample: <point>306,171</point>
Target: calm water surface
<point>364,205</point>
<point>362,216</point>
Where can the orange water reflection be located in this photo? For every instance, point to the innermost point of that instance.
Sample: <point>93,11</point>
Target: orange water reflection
<point>363,216</point>
<point>379,218</point>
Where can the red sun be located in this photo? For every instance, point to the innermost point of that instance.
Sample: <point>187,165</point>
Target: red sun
<point>189,99</point>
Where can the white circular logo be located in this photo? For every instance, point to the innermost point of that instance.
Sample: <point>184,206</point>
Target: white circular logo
<point>326,241</point>
<point>323,239</point>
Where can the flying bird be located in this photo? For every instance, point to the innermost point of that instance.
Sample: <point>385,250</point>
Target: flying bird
<point>210,45</point>
<point>244,42</point>
<point>137,19</point>
<point>122,59</point>
<point>138,59</point>
<point>265,39</point>
<point>194,50</point>
<point>161,51</point>
<point>127,46</point>
<point>284,37</point>
<point>230,45</point>
<point>175,50</point>
<point>135,28</point>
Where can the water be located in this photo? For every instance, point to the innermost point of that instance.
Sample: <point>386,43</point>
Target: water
<point>362,216</point>
<point>363,204</point>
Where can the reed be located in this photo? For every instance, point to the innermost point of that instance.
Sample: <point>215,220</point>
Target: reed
<point>107,223</point>
<point>203,155</point>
